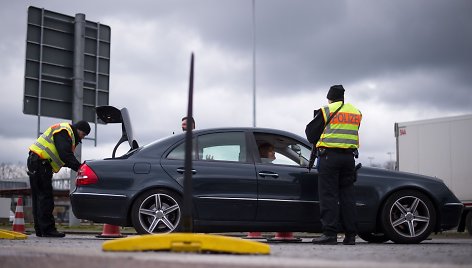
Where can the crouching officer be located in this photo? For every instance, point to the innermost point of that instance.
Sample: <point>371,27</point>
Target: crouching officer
<point>337,148</point>
<point>51,151</point>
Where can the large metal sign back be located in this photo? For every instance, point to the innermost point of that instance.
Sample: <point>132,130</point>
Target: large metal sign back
<point>48,88</point>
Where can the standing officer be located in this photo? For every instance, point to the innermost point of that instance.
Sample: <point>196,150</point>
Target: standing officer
<point>51,151</point>
<point>336,150</point>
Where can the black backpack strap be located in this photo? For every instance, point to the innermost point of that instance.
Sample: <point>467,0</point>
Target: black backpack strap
<point>335,112</point>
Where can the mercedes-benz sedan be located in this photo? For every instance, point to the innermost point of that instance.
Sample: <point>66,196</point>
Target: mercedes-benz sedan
<point>234,189</point>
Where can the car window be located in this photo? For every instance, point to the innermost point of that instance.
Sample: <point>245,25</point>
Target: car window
<point>281,150</point>
<point>230,146</point>
<point>282,159</point>
<point>179,151</point>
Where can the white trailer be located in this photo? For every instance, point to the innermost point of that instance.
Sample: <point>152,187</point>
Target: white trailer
<point>441,148</point>
<point>5,209</point>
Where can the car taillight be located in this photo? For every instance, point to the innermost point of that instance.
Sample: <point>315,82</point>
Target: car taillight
<point>85,176</point>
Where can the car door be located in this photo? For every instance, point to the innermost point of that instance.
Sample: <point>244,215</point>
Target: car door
<point>224,179</point>
<point>287,192</point>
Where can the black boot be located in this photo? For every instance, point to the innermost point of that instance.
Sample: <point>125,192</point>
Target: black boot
<point>53,233</point>
<point>325,240</point>
<point>349,240</point>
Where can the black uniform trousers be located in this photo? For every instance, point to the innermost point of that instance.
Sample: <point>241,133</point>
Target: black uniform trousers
<point>336,177</point>
<point>40,175</point>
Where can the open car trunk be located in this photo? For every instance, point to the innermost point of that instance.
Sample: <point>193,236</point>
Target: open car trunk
<point>110,115</point>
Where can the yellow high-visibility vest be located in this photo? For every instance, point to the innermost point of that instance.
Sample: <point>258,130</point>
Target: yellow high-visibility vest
<point>45,148</point>
<point>343,129</point>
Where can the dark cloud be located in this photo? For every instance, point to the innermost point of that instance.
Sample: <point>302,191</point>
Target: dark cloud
<point>360,41</point>
<point>415,54</point>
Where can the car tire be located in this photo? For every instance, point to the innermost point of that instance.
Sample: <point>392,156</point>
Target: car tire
<point>376,238</point>
<point>157,211</point>
<point>468,222</point>
<point>408,217</point>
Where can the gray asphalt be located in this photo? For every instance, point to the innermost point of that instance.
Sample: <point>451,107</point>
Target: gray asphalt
<point>86,251</point>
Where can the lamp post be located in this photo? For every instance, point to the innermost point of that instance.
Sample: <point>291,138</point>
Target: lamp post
<point>254,63</point>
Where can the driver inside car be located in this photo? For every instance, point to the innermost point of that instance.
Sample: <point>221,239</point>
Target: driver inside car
<point>267,152</point>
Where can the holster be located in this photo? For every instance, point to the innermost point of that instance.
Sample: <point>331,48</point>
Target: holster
<point>35,164</point>
<point>321,152</point>
<point>32,164</point>
<point>356,153</point>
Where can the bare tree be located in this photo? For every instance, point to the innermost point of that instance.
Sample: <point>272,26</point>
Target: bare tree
<point>9,171</point>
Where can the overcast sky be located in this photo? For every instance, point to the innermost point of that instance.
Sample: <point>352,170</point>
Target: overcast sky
<point>399,61</point>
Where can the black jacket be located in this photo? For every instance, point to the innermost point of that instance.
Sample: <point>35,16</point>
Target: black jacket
<point>63,144</point>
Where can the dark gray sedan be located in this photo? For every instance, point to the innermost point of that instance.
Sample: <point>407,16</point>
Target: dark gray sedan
<point>236,190</point>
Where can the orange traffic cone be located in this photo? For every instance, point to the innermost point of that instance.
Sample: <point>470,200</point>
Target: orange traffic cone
<point>284,237</point>
<point>110,231</point>
<point>19,221</point>
<point>254,235</point>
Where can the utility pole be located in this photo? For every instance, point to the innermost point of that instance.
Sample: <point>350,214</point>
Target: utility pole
<point>254,63</point>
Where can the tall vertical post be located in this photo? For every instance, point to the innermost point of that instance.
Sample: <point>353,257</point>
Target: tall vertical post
<point>397,147</point>
<point>187,217</point>
<point>78,95</point>
<point>40,77</point>
<point>254,62</point>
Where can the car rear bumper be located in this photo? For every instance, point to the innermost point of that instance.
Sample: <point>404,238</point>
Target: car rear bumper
<point>450,216</point>
<point>100,208</point>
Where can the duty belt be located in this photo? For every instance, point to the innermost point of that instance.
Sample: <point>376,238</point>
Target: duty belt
<point>39,159</point>
<point>338,150</point>
<point>324,150</point>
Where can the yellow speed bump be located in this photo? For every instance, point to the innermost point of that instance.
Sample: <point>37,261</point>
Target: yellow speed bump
<point>5,234</point>
<point>187,242</point>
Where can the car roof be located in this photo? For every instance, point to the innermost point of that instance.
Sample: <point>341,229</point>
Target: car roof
<point>254,129</point>
<point>251,129</point>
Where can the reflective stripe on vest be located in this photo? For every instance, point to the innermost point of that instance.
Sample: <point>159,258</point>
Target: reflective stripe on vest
<point>343,129</point>
<point>45,148</point>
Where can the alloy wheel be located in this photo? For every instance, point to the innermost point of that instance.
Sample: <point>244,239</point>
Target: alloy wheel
<point>159,213</point>
<point>409,216</point>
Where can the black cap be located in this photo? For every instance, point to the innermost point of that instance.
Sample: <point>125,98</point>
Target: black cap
<point>336,93</point>
<point>83,125</point>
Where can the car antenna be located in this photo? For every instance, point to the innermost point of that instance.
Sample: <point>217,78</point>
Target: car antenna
<point>187,241</point>
<point>187,219</point>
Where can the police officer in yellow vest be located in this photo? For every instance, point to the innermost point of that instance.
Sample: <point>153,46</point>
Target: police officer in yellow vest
<point>336,150</point>
<point>51,151</point>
